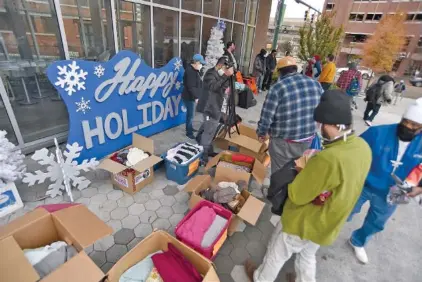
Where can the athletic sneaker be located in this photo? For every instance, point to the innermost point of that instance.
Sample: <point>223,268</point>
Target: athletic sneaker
<point>368,123</point>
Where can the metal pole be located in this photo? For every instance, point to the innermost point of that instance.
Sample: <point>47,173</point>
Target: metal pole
<point>280,13</point>
<point>307,5</point>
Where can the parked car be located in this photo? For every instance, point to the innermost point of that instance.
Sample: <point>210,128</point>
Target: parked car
<point>416,81</point>
<point>366,72</point>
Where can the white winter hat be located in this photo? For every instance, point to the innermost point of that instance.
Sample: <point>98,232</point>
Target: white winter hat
<point>414,112</point>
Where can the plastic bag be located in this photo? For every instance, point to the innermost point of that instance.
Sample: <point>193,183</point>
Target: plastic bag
<point>316,143</point>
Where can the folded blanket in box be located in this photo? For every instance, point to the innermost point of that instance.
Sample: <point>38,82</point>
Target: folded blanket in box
<point>213,231</point>
<point>194,228</point>
<point>234,166</point>
<point>183,153</point>
<point>140,271</point>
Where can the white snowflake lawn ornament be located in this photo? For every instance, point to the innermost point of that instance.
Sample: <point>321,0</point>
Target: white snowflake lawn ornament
<point>178,64</point>
<point>83,106</point>
<point>99,71</point>
<point>12,166</point>
<point>61,171</point>
<point>71,78</point>
<point>178,85</point>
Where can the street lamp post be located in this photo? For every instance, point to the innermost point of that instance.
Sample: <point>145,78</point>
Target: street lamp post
<point>307,5</point>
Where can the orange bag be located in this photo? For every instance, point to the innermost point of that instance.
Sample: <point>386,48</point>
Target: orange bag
<point>239,77</point>
<point>251,83</point>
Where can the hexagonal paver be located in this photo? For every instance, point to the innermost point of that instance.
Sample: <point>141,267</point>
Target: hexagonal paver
<point>133,243</point>
<point>89,192</point>
<point>115,195</point>
<point>115,224</point>
<point>105,188</point>
<point>267,229</point>
<point>224,264</point>
<point>241,227</point>
<point>98,199</point>
<point>238,240</point>
<point>148,217</point>
<point>136,209</point>
<point>180,207</point>
<point>253,233</point>
<point>143,230</point>
<point>226,249</point>
<point>125,201</point>
<point>108,205</point>
<point>225,277</point>
<point>170,190</point>
<point>152,205</point>
<point>275,219</point>
<point>89,249</point>
<point>176,218</point>
<point>239,255</point>
<point>119,213</point>
<point>182,197</point>
<point>164,212</point>
<point>107,266</point>
<point>84,201</point>
<point>98,257</point>
<point>115,253</point>
<point>124,236</point>
<point>141,198</point>
<point>167,201</point>
<point>256,249</point>
<point>156,194</point>
<point>104,244</point>
<point>239,274</point>
<point>130,221</point>
<point>161,223</point>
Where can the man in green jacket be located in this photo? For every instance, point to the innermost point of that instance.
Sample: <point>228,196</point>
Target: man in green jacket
<point>339,169</point>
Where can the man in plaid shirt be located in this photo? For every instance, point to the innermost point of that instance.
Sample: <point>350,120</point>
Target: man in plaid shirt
<point>287,114</point>
<point>347,76</point>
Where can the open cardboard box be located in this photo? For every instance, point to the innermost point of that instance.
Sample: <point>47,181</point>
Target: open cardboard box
<point>258,169</point>
<point>251,209</point>
<point>75,225</point>
<point>133,182</point>
<point>247,143</point>
<point>156,241</point>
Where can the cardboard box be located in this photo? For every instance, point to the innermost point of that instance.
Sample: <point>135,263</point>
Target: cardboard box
<point>251,209</point>
<point>133,182</point>
<point>258,169</point>
<point>246,142</point>
<point>75,225</point>
<point>158,240</point>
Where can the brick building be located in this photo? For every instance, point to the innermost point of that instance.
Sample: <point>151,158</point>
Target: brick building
<point>360,17</point>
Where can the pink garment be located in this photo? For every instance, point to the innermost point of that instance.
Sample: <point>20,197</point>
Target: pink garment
<point>194,228</point>
<point>174,267</point>
<point>56,207</point>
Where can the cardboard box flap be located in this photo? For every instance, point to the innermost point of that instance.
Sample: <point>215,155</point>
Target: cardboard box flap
<point>248,131</point>
<point>259,171</point>
<point>143,143</point>
<point>227,174</point>
<point>196,182</point>
<point>83,226</point>
<point>22,222</point>
<point>146,163</point>
<point>251,210</point>
<point>245,141</point>
<point>214,161</point>
<point>13,264</point>
<point>79,268</point>
<point>111,166</point>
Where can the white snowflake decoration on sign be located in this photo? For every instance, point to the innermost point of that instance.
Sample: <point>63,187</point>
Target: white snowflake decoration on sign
<point>99,71</point>
<point>59,171</point>
<point>83,106</point>
<point>178,85</point>
<point>178,64</point>
<point>71,78</point>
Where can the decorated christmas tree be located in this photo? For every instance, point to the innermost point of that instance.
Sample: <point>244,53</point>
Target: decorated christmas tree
<point>11,161</point>
<point>215,46</point>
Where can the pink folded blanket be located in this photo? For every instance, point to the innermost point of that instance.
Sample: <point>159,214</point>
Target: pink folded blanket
<point>194,228</point>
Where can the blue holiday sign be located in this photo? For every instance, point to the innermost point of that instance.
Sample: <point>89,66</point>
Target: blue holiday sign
<point>108,101</point>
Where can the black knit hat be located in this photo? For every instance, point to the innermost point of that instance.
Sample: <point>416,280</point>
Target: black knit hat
<point>334,108</point>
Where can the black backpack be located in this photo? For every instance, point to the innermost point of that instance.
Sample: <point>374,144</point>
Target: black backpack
<point>374,93</point>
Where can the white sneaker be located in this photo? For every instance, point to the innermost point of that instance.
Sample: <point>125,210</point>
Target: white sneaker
<point>360,253</point>
<point>368,123</point>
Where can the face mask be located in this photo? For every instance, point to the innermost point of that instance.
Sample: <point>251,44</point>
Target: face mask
<point>199,67</point>
<point>220,72</point>
<point>405,134</point>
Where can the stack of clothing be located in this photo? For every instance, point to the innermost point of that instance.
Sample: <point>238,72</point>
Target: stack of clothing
<point>169,266</point>
<point>398,193</point>
<point>237,162</point>
<point>184,152</point>
<point>202,228</point>
<point>48,258</point>
<point>227,194</point>
<point>129,157</point>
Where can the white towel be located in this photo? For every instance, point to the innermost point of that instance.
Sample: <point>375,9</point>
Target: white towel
<point>212,233</point>
<point>36,255</point>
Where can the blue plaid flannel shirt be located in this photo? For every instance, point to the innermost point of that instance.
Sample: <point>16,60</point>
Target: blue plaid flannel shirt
<point>288,110</point>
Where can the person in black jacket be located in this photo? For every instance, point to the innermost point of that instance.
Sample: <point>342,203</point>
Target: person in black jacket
<point>192,90</point>
<point>216,82</point>
<point>229,53</point>
<point>270,64</point>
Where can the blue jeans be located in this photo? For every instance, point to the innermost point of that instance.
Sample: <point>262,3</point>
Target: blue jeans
<point>190,113</point>
<point>260,81</point>
<point>378,214</point>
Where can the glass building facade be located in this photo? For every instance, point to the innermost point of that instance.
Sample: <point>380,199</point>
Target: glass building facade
<point>33,33</point>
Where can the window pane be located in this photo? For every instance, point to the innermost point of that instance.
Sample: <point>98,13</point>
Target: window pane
<point>252,8</point>
<point>226,9</point>
<point>228,33</point>
<point>248,50</point>
<point>87,32</point>
<point>206,32</point>
<point>5,121</point>
<point>191,29</point>
<point>30,40</point>
<point>166,37</point>
<point>239,11</point>
<point>134,28</point>
<point>173,3</point>
<point>237,38</point>
<point>211,7</point>
<point>192,5</point>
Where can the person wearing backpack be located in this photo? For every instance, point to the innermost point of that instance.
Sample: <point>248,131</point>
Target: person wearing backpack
<point>378,93</point>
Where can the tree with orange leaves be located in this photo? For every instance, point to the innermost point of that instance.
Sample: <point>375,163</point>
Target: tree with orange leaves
<point>382,48</point>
